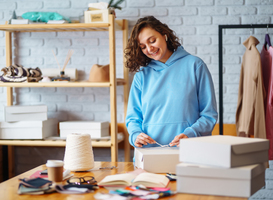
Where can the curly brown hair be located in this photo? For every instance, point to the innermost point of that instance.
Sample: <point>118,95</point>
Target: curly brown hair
<point>133,53</point>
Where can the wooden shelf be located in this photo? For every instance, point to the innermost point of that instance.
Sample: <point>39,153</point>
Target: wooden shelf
<point>62,84</point>
<point>57,142</point>
<point>111,27</point>
<point>60,27</point>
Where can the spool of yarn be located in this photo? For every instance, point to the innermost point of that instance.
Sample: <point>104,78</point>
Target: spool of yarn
<point>78,152</point>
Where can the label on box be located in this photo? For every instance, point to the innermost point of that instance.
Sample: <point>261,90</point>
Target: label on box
<point>96,17</point>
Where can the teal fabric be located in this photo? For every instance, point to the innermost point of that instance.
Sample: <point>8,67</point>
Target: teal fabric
<point>169,99</point>
<point>43,16</point>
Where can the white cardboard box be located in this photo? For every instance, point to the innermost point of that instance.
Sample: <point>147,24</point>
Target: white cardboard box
<point>29,129</point>
<point>96,16</point>
<point>19,21</point>
<point>238,182</point>
<point>157,159</point>
<point>25,113</point>
<point>223,151</point>
<point>95,129</point>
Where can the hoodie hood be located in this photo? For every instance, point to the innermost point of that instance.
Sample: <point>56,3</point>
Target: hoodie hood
<point>178,54</point>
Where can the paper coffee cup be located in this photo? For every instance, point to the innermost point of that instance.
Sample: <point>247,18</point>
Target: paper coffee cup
<point>55,170</point>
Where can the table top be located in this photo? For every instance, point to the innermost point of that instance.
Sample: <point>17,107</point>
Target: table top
<point>8,189</point>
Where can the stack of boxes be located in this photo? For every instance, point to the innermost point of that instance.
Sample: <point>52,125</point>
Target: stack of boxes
<point>222,165</point>
<point>31,122</point>
<point>211,165</point>
<point>27,122</point>
<point>97,130</point>
<point>267,191</point>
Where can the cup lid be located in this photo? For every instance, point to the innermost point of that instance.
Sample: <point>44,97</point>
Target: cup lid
<point>54,163</point>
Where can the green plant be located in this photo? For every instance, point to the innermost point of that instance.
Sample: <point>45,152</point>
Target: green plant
<point>111,4</point>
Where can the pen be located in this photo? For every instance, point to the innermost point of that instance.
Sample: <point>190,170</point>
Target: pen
<point>171,174</point>
<point>166,194</point>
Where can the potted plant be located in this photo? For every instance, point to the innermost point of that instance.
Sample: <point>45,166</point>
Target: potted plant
<point>112,6</point>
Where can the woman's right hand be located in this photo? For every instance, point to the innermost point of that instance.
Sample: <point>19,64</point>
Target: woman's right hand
<point>143,139</point>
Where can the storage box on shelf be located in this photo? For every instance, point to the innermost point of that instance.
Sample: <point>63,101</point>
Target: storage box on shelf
<point>95,129</point>
<point>29,129</point>
<point>96,16</point>
<point>111,27</point>
<point>25,113</point>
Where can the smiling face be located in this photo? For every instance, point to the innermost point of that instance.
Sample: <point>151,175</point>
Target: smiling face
<point>153,44</point>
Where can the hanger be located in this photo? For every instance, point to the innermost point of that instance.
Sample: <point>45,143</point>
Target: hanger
<point>251,30</point>
<point>267,39</point>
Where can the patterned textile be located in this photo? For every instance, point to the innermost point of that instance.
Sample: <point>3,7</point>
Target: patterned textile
<point>17,74</point>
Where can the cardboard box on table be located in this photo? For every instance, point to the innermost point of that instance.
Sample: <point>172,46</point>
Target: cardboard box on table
<point>29,129</point>
<point>224,151</point>
<point>238,182</point>
<point>157,159</point>
<point>95,129</point>
<point>25,113</point>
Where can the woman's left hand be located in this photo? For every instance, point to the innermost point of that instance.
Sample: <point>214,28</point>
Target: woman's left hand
<point>176,139</point>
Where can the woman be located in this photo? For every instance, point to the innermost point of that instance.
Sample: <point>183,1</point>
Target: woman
<point>172,95</point>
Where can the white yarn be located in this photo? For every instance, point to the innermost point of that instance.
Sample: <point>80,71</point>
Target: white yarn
<point>78,152</point>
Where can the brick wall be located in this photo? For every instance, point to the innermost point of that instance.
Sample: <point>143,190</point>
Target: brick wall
<point>195,22</point>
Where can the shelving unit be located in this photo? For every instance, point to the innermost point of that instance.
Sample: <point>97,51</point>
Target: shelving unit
<point>111,27</point>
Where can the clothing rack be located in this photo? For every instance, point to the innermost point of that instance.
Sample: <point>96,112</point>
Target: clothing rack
<point>220,37</point>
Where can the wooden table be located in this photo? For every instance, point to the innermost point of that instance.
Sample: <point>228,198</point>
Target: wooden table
<point>8,189</point>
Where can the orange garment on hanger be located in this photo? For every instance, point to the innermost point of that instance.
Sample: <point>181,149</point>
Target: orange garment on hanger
<point>250,115</point>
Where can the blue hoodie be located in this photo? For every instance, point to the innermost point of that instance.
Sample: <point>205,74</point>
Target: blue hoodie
<point>167,99</point>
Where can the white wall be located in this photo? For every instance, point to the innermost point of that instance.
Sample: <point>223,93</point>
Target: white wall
<point>195,22</point>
